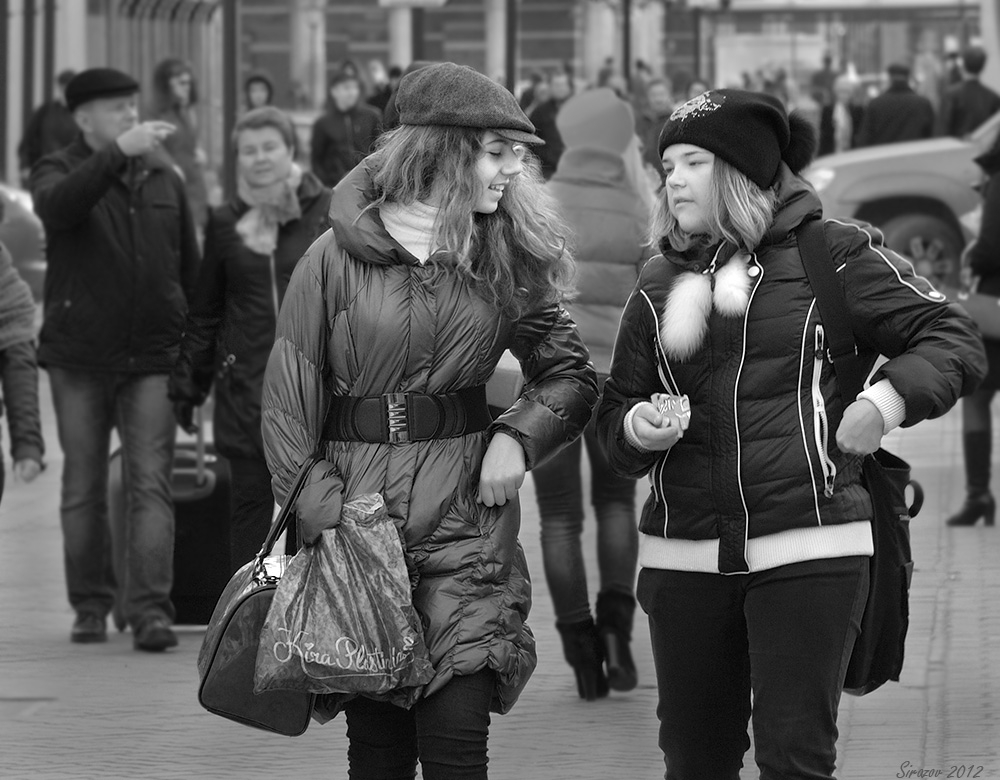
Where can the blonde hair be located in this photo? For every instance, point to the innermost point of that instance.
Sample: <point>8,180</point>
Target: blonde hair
<point>739,212</point>
<point>516,258</point>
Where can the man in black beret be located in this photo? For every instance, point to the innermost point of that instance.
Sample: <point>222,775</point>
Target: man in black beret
<point>122,263</point>
<point>898,114</point>
<point>346,132</point>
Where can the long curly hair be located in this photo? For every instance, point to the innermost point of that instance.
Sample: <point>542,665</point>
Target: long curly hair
<point>516,258</point>
<point>740,212</point>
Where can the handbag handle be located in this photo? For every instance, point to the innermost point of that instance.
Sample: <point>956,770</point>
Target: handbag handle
<point>284,514</point>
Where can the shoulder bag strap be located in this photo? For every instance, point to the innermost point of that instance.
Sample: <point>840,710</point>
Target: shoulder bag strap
<point>288,508</point>
<point>818,263</point>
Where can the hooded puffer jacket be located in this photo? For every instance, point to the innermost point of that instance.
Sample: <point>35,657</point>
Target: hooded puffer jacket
<point>362,317</point>
<point>758,481</point>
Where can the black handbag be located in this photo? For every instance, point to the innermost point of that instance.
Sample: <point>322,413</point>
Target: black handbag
<point>228,657</point>
<point>878,652</point>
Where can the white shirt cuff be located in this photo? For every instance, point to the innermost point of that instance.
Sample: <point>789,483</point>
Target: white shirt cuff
<point>630,436</point>
<point>891,405</point>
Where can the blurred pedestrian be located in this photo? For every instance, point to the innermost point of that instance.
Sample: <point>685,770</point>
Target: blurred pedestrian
<point>258,90</point>
<point>122,258</point>
<point>695,88</point>
<point>19,372</point>
<point>969,103</point>
<point>898,114</point>
<point>175,97</point>
<point>608,218</point>
<point>381,87</point>
<point>251,247</point>
<point>346,132</point>
<point>50,128</point>
<point>527,100</point>
<point>756,538</point>
<point>648,123</point>
<point>821,83</point>
<point>840,121</point>
<point>544,119</point>
<point>983,258</point>
<point>444,252</point>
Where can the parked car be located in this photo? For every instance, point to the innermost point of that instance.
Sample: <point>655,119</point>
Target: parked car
<point>915,192</point>
<point>22,233</point>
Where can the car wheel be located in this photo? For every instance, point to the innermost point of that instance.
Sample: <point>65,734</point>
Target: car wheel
<point>934,246</point>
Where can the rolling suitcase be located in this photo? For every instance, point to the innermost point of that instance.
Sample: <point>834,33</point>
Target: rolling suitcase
<point>201,491</point>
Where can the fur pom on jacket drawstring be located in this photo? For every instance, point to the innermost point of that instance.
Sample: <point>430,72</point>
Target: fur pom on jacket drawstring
<point>684,321</point>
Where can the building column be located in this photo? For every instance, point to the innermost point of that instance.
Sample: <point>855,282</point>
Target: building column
<point>496,39</point>
<point>400,37</point>
<point>308,50</point>
<point>600,36</point>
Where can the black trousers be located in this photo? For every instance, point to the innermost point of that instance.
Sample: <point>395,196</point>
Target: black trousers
<point>447,732</point>
<point>251,506</point>
<point>785,634</point>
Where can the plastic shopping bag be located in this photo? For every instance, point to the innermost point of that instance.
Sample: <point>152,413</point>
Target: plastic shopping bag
<point>342,619</point>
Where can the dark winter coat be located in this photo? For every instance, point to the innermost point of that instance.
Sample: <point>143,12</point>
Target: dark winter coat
<point>966,106</point>
<point>122,260</point>
<point>544,120</point>
<point>362,317</point>
<point>230,327</point>
<point>19,382</point>
<point>898,114</point>
<point>340,139</point>
<point>51,128</point>
<point>648,126</point>
<point>758,481</point>
<point>608,240</point>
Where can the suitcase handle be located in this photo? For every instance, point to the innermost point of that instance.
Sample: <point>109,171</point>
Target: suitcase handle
<point>190,485</point>
<point>202,474</point>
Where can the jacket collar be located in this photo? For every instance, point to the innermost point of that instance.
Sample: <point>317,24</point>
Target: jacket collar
<point>361,233</point>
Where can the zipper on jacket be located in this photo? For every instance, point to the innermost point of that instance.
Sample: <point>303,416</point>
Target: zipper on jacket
<point>274,287</point>
<point>820,422</point>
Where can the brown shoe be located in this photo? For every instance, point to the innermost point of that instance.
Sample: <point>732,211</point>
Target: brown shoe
<point>154,635</point>
<point>88,628</point>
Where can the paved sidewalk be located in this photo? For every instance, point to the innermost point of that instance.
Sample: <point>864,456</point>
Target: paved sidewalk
<point>106,711</point>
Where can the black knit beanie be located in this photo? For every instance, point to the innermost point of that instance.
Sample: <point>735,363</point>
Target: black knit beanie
<point>749,130</point>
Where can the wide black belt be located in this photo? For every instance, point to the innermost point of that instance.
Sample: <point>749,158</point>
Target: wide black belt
<point>403,417</point>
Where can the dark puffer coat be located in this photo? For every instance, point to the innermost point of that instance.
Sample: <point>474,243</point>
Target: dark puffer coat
<point>230,327</point>
<point>362,317</point>
<point>758,480</point>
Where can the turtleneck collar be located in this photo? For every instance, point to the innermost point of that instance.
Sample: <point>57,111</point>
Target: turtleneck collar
<point>412,225</point>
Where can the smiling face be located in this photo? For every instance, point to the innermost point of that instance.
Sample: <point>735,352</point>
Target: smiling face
<point>688,171</point>
<point>264,157</point>
<point>498,164</point>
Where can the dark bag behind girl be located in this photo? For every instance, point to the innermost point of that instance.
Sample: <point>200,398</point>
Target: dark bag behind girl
<point>878,652</point>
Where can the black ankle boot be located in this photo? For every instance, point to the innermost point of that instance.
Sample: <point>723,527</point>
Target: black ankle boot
<point>615,612</point>
<point>582,650</point>
<point>980,504</point>
<point>977,447</point>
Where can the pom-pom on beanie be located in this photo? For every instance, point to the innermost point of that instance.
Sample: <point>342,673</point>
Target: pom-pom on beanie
<point>749,130</point>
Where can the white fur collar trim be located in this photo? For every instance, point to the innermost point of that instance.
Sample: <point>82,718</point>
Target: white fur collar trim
<point>684,321</point>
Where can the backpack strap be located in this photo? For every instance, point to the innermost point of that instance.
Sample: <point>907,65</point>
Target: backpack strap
<point>818,264</point>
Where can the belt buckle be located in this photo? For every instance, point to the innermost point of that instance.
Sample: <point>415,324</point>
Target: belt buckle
<point>397,418</point>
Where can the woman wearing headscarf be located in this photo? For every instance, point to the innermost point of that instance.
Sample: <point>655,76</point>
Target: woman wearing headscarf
<point>252,244</point>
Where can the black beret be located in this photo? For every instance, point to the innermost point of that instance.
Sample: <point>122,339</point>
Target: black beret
<point>456,95</point>
<point>97,83</point>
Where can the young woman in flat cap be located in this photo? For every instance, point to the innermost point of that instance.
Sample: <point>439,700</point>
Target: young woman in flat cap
<point>754,542</point>
<point>444,251</point>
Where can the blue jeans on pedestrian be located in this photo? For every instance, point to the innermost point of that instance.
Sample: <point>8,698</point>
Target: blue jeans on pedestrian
<point>88,405</point>
<point>559,491</point>
<point>783,635</point>
<point>446,731</point>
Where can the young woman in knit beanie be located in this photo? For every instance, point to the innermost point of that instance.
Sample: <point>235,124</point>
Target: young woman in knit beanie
<point>755,540</point>
<point>444,252</point>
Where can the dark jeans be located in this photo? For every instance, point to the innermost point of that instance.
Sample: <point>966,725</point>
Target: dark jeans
<point>559,490</point>
<point>88,406</point>
<point>447,732</point>
<point>785,634</point>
